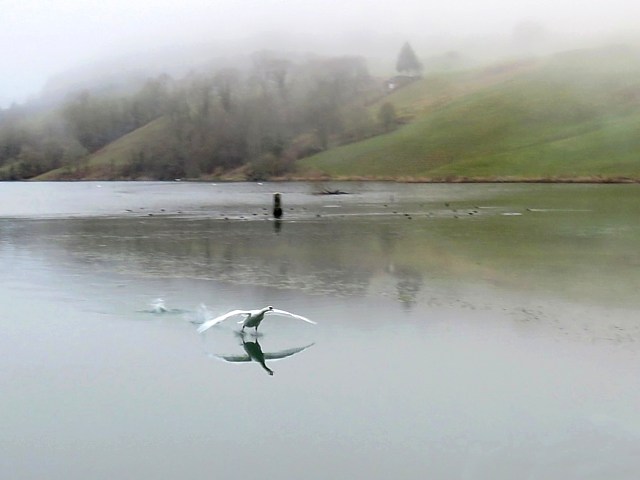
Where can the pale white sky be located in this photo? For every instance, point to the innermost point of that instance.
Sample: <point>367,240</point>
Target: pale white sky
<point>39,38</point>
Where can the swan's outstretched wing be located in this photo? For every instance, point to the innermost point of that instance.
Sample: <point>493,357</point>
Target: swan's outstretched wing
<point>210,323</point>
<point>289,314</point>
<point>285,353</point>
<point>233,358</point>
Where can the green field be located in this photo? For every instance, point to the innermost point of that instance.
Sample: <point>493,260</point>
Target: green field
<point>106,162</point>
<point>572,116</point>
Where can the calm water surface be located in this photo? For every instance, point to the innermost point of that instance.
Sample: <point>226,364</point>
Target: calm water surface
<point>464,331</point>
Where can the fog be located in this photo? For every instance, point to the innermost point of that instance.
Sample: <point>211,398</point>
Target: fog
<point>40,39</point>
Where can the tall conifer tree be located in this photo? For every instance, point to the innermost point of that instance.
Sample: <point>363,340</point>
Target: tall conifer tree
<point>408,61</point>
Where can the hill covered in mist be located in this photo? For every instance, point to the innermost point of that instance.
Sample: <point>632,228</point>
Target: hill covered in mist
<point>568,116</point>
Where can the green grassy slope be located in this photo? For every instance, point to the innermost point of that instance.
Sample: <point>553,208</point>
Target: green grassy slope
<point>570,116</point>
<point>573,115</point>
<point>103,163</point>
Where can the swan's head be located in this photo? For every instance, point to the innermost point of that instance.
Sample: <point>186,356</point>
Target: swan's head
<point>269,308</point>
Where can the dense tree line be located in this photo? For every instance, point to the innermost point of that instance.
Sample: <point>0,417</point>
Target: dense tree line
<point>30,146</point>
<point>263,118</point>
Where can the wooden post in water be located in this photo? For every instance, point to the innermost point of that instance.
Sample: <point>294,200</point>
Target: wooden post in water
<point>277,206</point>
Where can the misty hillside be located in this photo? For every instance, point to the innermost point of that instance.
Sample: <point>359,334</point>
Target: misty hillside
<point>128,70</point>
<point>573,115</point>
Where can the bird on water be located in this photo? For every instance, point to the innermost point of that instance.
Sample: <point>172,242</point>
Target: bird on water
<point>252,319</point>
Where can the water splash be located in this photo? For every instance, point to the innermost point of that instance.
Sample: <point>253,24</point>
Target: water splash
<point>200,315</point>
<point>158,306</point>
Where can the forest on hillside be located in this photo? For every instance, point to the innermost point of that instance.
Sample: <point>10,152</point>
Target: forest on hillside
<point>260,118</point>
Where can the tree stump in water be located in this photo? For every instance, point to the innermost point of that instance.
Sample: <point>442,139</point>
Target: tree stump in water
<point>277,206</point>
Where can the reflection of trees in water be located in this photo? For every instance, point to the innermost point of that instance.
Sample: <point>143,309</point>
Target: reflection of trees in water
<point>320,258</point>
<point>303,256</point>
<point>408,286</point>
<point>388,239</point>
<point>227,262</point>
<point>409,279</point>
<point>556,247</point>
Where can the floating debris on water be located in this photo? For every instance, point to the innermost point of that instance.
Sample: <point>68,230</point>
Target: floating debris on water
<point>331,192</point>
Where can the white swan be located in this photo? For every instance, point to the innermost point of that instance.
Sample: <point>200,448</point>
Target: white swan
<point>252,320</point>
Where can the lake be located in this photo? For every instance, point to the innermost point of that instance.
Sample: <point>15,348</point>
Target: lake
<point>472,331</point>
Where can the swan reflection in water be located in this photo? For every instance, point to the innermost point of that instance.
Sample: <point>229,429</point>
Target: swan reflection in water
<point>254,353</point>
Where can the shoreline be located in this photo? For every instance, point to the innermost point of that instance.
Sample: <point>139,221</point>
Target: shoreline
<point>457,180</point>
<point>363,178</point>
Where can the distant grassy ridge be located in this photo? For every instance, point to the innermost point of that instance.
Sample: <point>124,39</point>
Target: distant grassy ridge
<point>106,162</point>
<point>572,116</point>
